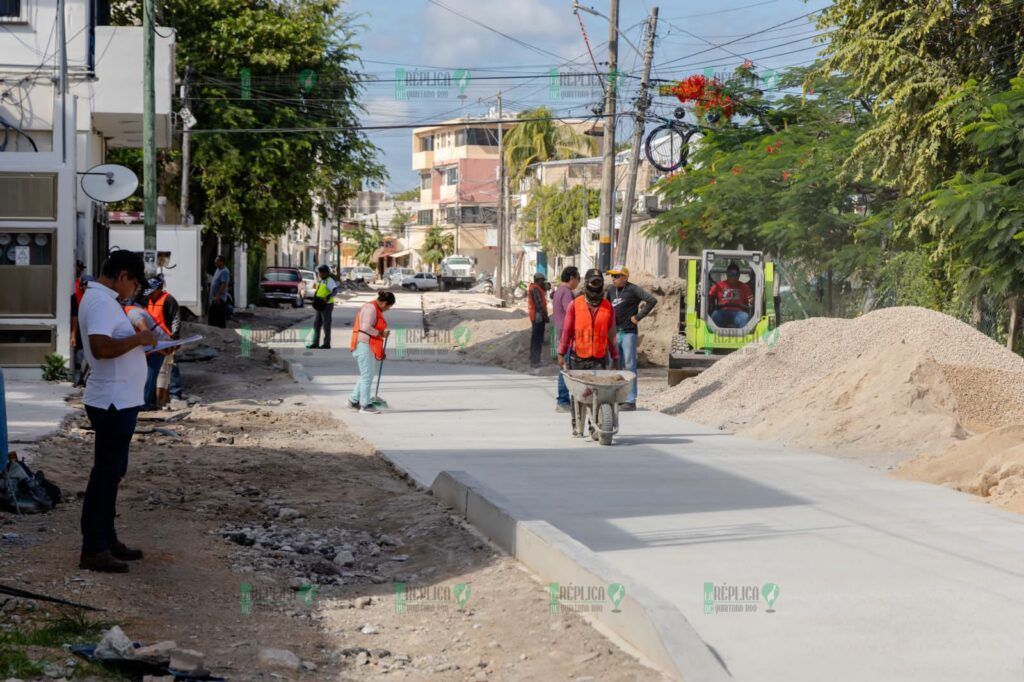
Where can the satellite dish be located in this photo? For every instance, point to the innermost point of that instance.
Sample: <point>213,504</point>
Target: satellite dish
<point>109,182</point>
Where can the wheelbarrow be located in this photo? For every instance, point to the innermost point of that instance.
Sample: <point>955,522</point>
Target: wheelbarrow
<point>595,397</point>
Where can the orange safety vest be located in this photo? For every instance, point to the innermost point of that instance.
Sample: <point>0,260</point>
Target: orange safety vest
<point>590,335</point>
<point>155,307</point>
<point>376,342</point>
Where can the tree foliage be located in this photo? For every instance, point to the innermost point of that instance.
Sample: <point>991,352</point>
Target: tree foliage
<point>300,55</point>
<point>437,245</point>
<point>557,215</point>
<point>368,239</point>
<point>541,138</point>
<point>408,195</point>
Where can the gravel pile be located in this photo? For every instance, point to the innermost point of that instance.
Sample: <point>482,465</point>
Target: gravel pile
<point>809,367</point>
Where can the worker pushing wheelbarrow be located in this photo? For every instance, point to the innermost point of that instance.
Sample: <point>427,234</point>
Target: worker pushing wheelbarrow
<point>586,351</point>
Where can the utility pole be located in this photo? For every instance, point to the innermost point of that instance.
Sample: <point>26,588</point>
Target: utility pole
<point>608,172</point>
<point>148,136</point>
<point>499,282</point>
<point>186,143</point>
<point>62,45</point>
<point>643,101</point>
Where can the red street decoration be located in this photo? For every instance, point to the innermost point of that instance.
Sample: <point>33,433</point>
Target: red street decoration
<point>772,148</point>
<point>706,95</point>
<point>736,170</point>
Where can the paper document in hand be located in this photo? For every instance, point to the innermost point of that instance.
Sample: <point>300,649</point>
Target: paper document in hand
<point>164,345</point>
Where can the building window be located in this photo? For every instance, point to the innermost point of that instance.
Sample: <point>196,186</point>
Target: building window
<point>425,181</point>
<point>11,11</point>
<point>450,214</point>
<point>425,217</point>
<point>427,143</point>
<point>27,273</point>
<point>483,137</point>
<point>451,175</point>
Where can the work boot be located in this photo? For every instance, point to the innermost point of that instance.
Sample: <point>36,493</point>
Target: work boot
<point>627,407</point>
<point>326,346</point>
<point>312,346</point>
<point>125,553</point>
<point>102,562</point>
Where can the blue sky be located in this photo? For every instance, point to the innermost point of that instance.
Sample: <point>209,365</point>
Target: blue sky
<point>424,38</point>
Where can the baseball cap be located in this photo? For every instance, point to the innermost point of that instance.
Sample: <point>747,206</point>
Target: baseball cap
<point>619,270</point>
<point>153,284</point>
<point>592,274</point>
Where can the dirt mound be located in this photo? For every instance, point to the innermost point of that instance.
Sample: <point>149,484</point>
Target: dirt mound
<point>990,465</point>
<point>809,366</point>
<point>658,328</point>
<point>907,407</point>
<point>490,335</point>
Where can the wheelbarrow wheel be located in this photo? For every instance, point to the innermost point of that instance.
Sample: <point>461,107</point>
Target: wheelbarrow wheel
<point>607,424</point>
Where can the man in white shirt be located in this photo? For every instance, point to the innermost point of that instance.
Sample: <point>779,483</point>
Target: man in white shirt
<point>113,396</point>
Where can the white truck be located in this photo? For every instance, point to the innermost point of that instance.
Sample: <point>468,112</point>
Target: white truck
<point>456,273</point>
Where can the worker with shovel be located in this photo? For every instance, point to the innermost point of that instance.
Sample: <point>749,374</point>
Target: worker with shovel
<point>369,335</point>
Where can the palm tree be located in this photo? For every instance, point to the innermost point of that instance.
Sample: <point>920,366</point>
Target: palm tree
<point>437,245</point>
<point>541,138</point>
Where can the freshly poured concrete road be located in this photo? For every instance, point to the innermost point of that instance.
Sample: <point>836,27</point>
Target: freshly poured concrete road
<point>879,579</point>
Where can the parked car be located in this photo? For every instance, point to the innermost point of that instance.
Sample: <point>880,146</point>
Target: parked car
<point>282,285</point>
<point>309,279</point>
<point>363,274</point>
<point>345,274</point>
<point>420,281</point>
<point>399,275</point>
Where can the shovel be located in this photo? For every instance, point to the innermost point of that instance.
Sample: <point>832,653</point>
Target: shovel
<point>377,401</point>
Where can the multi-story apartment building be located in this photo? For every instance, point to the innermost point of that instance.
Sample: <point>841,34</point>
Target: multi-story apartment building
<point>458,166</point>
<point>47,139</point>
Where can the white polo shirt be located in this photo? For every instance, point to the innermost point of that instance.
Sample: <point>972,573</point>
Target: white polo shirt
<point>118,381</point>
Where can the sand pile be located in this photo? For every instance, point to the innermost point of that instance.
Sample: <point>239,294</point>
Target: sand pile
<point>860,384</point>
<point>990,465</point>
<point>493,336</point>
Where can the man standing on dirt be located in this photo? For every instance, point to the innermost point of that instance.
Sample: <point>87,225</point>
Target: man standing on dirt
<point>218,312</point>
<point>536,296</point>
<point>166,312</point>
<point>631,304</point>
<point>113,396</point>
<point>561,300</point>
<point>323,304</point>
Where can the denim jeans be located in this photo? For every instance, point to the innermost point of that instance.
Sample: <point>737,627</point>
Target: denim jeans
<point>367,364</point>
<point>732,319</point>
<point>154,361</point>
<point>3,421</point>
<point>114,429</point>
<point>627,359</point>
<point>563,390</point>
<point>175,388</point>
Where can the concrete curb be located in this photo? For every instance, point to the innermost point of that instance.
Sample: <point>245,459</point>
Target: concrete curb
<point>646,621</point>
<point>297,371</point>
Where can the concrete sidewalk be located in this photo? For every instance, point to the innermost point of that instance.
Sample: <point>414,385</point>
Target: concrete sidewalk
<point>878,579</point>
<point>35,408</point>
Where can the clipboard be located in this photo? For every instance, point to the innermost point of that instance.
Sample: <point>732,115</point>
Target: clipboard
<point>164,345</point>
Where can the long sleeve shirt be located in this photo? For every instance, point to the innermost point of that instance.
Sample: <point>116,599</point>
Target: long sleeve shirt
<point>367,322</point>
<point>560,303</point>
<point>538,304</point>
<point>627,302</point>
<point>569,332</point>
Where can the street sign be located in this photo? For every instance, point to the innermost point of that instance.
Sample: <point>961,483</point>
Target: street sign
<point>307,79</point>
<point>188,121</point>
<point>246,83</point>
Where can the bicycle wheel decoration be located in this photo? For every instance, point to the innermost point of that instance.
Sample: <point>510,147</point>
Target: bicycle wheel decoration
<point>668,146</point>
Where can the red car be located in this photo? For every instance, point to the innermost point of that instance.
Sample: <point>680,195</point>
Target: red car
<point>282,285</point>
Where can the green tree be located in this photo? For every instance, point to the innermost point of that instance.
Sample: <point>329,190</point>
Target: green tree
<point>977,217</point>
<point>437,245</point>
<point>408,195</point>
<point>909,61</point>
<point>400,219</point>
<point>558,215</point>
<point>368,239</point>
<point>541,138</point>
<point>300,56</point>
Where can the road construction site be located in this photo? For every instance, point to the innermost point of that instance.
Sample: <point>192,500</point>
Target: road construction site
<point>771,470</point>
<point>854,479</point>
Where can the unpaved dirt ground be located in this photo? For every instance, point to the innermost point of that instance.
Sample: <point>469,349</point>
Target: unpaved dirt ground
<point>267,524</point>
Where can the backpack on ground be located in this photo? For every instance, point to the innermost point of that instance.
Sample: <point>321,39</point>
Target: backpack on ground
<point>24,491</point>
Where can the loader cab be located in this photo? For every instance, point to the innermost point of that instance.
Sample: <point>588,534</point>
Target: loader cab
<point>714,265</point>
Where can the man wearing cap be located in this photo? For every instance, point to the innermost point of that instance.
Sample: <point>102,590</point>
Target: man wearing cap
<point>588,338</point>
<point>561,301</point>
<point>731,300</point>
<point>323,303</point>
<point>113,396</point>
<point>631,304</point>
<point>538,308</point>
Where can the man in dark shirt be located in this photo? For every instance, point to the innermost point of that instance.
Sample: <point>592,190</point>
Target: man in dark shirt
<point>631,304</point>
<point>538,310</point>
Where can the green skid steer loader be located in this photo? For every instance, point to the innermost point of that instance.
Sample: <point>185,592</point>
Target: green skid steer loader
<point>700,341</point>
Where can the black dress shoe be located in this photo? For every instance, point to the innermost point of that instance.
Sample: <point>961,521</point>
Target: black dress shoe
<point>102,562</point>
<point>120,551</point>
<point>312,346</point>
<point>325,347</point>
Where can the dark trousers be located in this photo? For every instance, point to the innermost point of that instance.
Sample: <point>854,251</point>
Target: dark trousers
<point>536,343</point>
<point>323,321</point>
<point>114,429</point>
<point>218,314</point>
<point>175,387</point>
<point>154,361</point>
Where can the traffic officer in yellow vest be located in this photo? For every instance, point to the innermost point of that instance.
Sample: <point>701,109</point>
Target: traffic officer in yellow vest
<point>323,304</point>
